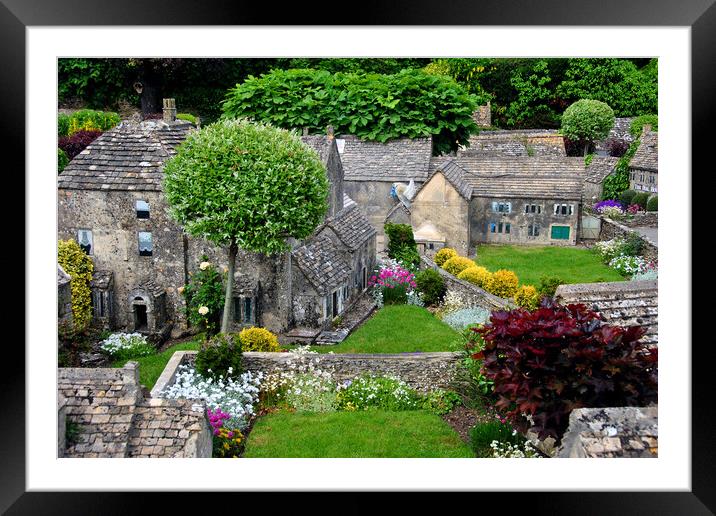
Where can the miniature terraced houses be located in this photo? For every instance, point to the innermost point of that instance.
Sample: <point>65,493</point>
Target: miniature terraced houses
<point>644,166</point>
<point>497,199</point>
<point>110,198</point>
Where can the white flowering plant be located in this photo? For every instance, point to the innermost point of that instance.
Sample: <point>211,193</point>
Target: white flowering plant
<point>121,346</point>
<point>460,319</point>
<point>377,392</point>
<point>502,450</point>
<point>609,249</point>
<point>628,265</point>
<point>235,396</point>
<point>302,385</point>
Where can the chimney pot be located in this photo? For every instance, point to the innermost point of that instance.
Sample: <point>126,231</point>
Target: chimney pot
<point>330,132</point>
<point>170,110</point>
<point>305,131</point>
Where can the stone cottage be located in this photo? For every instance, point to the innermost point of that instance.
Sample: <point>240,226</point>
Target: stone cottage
<point>497,199</point>
<point>110,197</point>
<point>596,172</point>
<point>644,166</point>
<point>373,169</point>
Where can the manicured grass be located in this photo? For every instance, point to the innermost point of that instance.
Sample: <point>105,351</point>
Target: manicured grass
<point>571,264</point>
<point>151,367</point>
<point>398,329</point>
<point>354,434</point>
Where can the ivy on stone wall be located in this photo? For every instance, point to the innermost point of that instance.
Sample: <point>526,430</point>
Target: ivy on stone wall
<point>79,266</point>
<point>618,181</point>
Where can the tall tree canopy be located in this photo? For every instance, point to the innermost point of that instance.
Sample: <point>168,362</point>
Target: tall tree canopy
<point>246,185</point>
<point>378,107</point>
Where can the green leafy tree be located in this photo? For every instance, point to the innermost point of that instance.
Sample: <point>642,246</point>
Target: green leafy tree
<point>587,120</point>
<point>531,107</point>
<point>246,185</point>
<point>410,103</point>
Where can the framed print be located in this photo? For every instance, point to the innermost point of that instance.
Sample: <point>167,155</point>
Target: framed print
<point>327,273</point>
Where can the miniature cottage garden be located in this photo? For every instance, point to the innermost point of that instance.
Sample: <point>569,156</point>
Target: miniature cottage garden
<point>513,358</point>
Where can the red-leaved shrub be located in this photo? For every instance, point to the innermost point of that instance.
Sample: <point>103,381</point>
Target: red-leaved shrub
<point>76,143</point>
<point>558,358</point>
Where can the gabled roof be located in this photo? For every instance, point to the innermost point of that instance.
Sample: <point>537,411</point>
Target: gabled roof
<point>129,157</point>
<point>646,156</point>
<point>351,226</point>
<point>321,263</point>
<point>544,177</point>
<point>599,168</point>
<point>540,142</point>
<point>401,159</point>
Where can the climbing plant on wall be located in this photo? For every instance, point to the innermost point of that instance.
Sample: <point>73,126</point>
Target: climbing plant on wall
<point>618,181</point>
<point>79,266</point>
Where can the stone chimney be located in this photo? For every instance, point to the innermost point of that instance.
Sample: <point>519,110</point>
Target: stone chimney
<point>483,115</point>
<point>170,110</point>
<point>305,131</point>
<point>330,132</point>
<point>646,128</point>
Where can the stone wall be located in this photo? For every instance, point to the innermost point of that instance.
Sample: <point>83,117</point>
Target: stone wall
<point>611,229</point>
<point>649,219</point>
<point>472,293</point>
<point>422,371</point>
<point>114,419</point>
<point>611,432</point>
<point>64,297</point>
<point>483,115</point>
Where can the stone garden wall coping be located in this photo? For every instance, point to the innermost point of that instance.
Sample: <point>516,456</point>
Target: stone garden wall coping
<point>476,294</point>
<point>422,371</point>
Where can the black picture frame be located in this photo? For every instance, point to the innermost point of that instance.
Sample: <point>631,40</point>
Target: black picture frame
<point>700,15</point>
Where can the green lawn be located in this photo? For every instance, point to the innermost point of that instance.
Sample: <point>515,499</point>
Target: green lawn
<point>571,264</point>
<point>354,434</point>
<point>151,367</point>
<point>398,329</point>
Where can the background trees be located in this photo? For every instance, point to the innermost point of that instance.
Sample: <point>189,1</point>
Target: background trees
<point>524,92</point>
<point>245,185</point>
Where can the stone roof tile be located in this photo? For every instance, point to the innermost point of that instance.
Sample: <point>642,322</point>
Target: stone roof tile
<point>401,159</point>
<point>351,226</point>
<point>321,263</point>
<point>646,156</point>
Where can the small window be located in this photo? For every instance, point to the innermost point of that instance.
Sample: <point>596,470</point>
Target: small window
<point>145,243</point>
<point>533,230</point>
<point>527,208</point>
<point>142,209</point>
<point>493,227</point>
<point>499,227</point>
<point>84,239</point>
<point>431,246</point>
<point>507,227</point>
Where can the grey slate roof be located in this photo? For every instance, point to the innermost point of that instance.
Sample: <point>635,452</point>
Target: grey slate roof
<point>515,143</point>
<point>322,264</point>
<point>622,303</point>
<point>101,279</point>
<point>129,157</point>
<point>541,177</point>
<point>400,159</point>
<point>351,226</point>
<point>646,156</point>
<point>599,168</point>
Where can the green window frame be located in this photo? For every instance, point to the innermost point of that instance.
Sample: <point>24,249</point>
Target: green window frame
<point>560,232</point>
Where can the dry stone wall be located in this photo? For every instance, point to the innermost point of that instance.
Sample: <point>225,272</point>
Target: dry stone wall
<point>422,371</point>
<point>611,229</point>
<point>471,293</point>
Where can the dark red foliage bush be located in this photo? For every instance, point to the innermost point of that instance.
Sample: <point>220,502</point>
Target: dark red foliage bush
<point>616,147</point>
<point>558,358</point>
<point>76,143</point>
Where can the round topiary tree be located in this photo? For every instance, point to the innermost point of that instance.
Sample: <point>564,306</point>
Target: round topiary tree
<point>247,185</point>
<point>587,120</point>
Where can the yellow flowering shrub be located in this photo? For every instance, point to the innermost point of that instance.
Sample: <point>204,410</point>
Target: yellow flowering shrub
<point>258,339</point>
<point>86,125</point>
<point>457,264</point>
<point>527,297</point>
<point>503,283</point>
<point>79,266</point>
<point>476,275</point>
<point>444,255</point>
